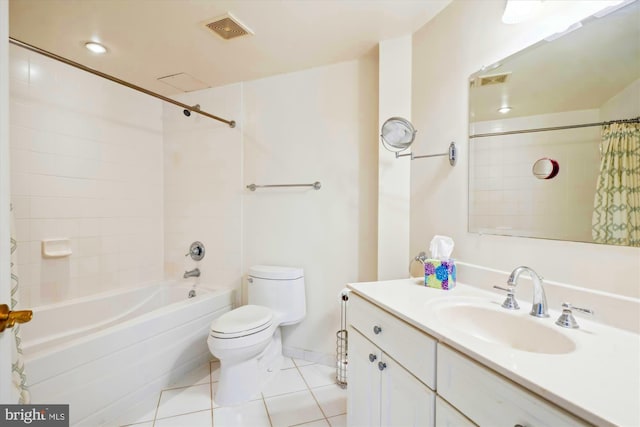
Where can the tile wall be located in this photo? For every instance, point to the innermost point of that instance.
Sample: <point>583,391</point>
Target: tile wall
<point>203,187</point>
<point>86,164</point>
<point>505,197</point>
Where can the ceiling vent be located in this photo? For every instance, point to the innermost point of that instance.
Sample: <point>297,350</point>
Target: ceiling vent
<point>228,27</point>
<point>496,79</point>
<point>184,82</point>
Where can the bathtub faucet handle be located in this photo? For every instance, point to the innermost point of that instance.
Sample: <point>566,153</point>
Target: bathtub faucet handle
<point>196,251</point>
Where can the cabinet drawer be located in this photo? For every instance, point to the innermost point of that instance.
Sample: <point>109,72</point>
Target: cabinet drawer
<point>489,399</point>
<point>412,348</point>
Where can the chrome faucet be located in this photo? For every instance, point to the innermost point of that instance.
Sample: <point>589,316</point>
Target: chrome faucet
<point>539,307</point>
<point>192,273</point>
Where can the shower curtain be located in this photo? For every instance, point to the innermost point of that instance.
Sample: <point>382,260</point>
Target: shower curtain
<point>20,389</point>
<point>616,212</point>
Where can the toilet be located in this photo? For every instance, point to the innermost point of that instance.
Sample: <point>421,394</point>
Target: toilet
<point>247,339</point>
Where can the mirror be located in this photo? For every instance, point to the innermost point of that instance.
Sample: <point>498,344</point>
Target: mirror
<point>397,134</point>
<point>540,129</point>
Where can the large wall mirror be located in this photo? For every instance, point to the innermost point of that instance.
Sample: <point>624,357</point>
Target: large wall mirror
<point>554,137</point>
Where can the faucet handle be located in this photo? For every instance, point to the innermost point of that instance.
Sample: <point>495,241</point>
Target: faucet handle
<point>510,302</point>
<point>566,319</point>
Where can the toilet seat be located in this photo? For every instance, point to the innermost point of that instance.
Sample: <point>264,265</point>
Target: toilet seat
<point>241,322</point>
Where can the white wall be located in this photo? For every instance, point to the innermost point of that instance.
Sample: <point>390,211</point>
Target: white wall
<point>203,187</point>
<point>314,125</point>
<point>394,91</point>
<point>86,164</point>
<point>624,105</point>
<point>458,42</point>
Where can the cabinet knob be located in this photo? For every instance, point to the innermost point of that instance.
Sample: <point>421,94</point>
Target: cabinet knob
<point>372,357</point>
<point>377,329</point>
<point>382,366</point>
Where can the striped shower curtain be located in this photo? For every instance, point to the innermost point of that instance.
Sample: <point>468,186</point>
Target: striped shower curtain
<point>20,389</point>
<point>616,211</point>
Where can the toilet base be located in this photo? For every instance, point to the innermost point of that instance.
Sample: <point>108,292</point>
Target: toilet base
<point>244,380</point>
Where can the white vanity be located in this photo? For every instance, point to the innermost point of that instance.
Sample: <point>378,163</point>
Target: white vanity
<point>423,357</point>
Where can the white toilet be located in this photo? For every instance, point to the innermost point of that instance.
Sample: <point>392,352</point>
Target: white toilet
<point>247,339</point>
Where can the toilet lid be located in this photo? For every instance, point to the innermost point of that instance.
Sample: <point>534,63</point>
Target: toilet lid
<point>242,321</point>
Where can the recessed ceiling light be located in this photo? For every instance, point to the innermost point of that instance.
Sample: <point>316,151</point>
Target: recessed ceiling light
<point>504,110</point>
<point>95,47</point>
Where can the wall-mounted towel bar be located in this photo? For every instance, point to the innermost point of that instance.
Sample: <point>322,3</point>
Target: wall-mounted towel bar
<point>316,186</point>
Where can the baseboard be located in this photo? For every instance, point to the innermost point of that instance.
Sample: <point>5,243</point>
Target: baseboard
<point>310,356</point>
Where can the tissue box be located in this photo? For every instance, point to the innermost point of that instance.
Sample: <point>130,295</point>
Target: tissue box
<point>440,274</point>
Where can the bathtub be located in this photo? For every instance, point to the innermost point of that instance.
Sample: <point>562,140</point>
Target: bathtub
<point>105,353</point>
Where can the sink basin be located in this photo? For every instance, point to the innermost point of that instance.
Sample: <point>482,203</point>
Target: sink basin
<point>496,325</point>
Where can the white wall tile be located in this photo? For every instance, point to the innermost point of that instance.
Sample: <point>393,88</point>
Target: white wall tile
<point>84,166</point>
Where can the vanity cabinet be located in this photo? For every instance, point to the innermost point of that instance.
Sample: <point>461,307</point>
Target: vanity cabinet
<point>383,390</point>
<point>383,393</point>
<point>393,375</point>
<point>490,399</point>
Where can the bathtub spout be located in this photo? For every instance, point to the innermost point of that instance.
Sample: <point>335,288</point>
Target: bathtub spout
<point>192,273</point>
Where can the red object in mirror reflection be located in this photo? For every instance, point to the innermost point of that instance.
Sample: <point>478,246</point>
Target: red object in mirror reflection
<point>556,169</point>
<point>545,168</point>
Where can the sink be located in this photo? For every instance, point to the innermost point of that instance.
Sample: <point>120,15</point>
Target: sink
<point>514,329</point>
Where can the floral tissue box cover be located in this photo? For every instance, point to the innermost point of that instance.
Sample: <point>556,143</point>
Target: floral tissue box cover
<point>440,274</point>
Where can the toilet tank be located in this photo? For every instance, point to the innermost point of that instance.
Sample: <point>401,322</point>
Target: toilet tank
<point>280,289</point>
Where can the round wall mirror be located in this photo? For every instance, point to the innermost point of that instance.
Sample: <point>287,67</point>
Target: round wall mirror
<point>545,168</point>
<point>397,134</point>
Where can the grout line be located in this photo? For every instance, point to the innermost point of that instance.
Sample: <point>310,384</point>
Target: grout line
<point>312,395</point>
<point>155,413</point>
<point>266,408</point>
<point>179,415</point>
<point>312,421</point>
<point>187,386</point>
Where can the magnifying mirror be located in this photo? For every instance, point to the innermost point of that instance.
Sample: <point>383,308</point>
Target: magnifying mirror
<point>397,134</point>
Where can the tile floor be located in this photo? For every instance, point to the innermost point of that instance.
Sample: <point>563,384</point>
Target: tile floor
<point>303,394</point>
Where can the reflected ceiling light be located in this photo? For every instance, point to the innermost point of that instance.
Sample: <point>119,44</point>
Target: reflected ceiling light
<point>505,109</point>
<point>95,47</point>
<point>517,11</point>
<point>491,67</point>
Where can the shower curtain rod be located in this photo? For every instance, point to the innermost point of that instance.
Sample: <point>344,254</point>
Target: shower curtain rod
<point>64,60</point>
<point>585,125</point>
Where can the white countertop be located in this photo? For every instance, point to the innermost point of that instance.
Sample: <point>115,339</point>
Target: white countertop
<point>599,381</point>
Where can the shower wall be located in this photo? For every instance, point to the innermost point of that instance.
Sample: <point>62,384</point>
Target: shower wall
<point>203,186</point>
<point>86,164</point>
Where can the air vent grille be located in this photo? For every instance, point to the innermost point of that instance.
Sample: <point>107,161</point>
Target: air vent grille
<point>493,80</point>
<point>228,27</point>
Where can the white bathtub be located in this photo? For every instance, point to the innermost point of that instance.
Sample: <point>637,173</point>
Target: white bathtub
<point>104,353</point>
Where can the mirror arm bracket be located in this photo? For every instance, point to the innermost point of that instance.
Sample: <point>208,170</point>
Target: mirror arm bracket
<point>452,154</point>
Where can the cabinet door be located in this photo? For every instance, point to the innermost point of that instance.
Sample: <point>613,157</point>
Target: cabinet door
<point>447,416</point>
<point>363,392</point>
<point>404,401</point>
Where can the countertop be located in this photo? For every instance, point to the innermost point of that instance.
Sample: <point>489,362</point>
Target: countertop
<point>599,381</point>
